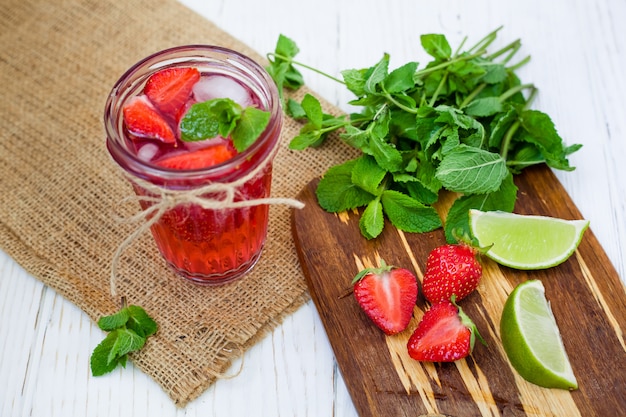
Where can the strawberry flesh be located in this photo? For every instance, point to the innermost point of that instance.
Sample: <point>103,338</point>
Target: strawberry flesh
<point>387,296</point>
<point>445,334</point>
<point>198,159</point>
<point>451,269</point>
<point>144,121</point>
<point>170,89</point>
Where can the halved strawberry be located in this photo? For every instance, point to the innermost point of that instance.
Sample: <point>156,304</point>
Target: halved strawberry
<point>143,120</point>
<point>445,334</point>
<point>170,89</point>
<point>201,158</point>
<point>387,295</point>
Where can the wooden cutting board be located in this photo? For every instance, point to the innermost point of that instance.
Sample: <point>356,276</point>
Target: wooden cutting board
<point>587,297</point>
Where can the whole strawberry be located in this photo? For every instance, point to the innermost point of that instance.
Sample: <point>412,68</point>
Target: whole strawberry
<point>451,269</point>
<point>445,334</point>
<point>387,295</point>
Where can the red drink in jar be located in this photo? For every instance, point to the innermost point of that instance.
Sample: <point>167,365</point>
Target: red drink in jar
<point>214,231</point>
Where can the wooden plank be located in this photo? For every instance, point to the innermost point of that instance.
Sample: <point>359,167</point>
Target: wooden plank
<point>586,294</point>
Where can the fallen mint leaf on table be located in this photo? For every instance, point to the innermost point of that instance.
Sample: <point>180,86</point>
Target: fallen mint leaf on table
<point>128,330</point>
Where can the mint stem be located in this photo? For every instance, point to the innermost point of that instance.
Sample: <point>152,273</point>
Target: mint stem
<point>293,62</point>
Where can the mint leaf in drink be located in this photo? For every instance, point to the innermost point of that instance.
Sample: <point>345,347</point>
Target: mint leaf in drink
<point>224,117</point>
<point>249,127</point>
<point>210,119</point>
<point>128,330</point>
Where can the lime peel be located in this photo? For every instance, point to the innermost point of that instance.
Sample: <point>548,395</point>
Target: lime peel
<point>531,338</point>
<point>526,241</point>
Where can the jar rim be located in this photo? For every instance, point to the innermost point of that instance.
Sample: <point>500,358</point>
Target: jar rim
<point>185,55</point>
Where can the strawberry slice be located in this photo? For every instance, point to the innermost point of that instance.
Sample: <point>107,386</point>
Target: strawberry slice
<point>445,334</point>
<point>170,89</point>
<point>202,158</point>
<point>387,295</point>
<point>144,121</point>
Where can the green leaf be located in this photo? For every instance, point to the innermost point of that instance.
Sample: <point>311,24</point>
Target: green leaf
<point>126,341</point>
<point>408,214</point>
<point>294,109</point>
<point>286,46</point>
<point>401,79</point>
<point>141,322</point>
<point>471,171</point>
<point>368,175</point>
<point>500,126</point>
<point>336,192</point>
<point>376,75</point>
<point>305,139</point>
<point>403,124</point>
<point>209,119</point>
<point>129,329</point>
<point>436,45</point>
<point>495,73</point>
<point>386,155</point>
<point>281,68</point>
<point>313,110</point>
<point>99,360</point>
<point>372,220</point>
<point>355,137</point>
<point>483,107</point>
<point>114,321</point>
<point>355,81</point>
<point>540,131</point>
<point>457,220</point>
<point>249,128</point>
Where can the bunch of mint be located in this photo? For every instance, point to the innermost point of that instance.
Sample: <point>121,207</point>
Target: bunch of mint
<point>461,123</point>
<point>128,330</point>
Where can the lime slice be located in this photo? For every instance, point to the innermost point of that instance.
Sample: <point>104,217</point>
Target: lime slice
<point>526,242</point>
<point>531,338</point>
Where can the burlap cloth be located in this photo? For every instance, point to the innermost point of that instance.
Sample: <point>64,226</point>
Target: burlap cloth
<point>61,191</point>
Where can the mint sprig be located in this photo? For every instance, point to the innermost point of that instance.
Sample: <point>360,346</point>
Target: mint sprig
<point>128,330</point>
<point>224,117</point>
<point>461,123</point>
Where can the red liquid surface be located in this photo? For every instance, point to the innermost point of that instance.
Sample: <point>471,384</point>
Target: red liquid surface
<point>204,245</point>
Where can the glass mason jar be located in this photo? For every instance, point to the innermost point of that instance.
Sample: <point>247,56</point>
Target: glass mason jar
<point>219,241</point>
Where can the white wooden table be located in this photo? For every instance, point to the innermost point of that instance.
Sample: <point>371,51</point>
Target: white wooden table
<point>578,63</point>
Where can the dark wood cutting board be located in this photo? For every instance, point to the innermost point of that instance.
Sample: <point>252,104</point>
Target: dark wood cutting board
<point>587,297</point>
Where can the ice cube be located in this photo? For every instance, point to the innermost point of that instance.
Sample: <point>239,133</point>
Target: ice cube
<point>219,86</point>
<point>147,151</point>
<point>196,145</point>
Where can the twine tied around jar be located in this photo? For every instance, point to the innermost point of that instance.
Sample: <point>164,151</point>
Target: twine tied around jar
<point>163,199</point>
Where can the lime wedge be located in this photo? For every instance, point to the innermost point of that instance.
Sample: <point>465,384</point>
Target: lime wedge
<point>531,338</point>
<point>526,242</point>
